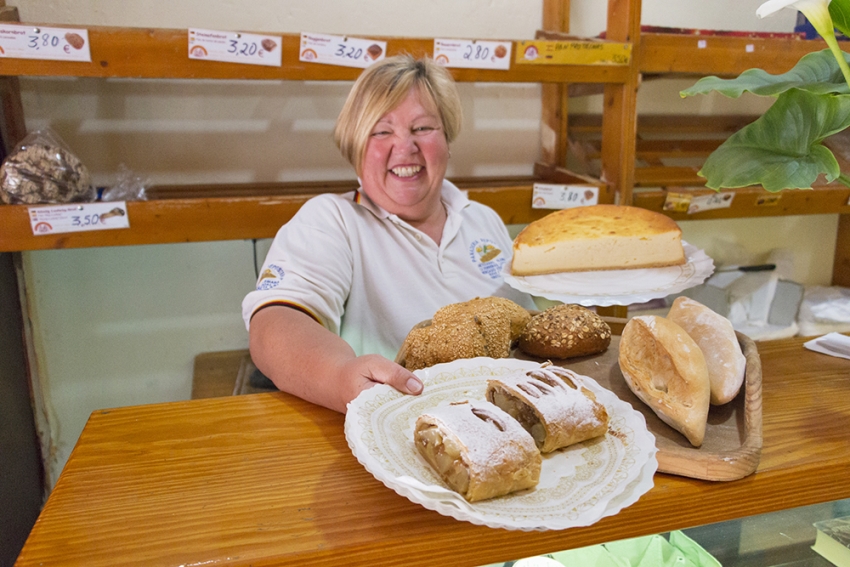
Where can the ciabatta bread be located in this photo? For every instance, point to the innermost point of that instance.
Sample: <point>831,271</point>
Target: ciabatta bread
<point>598,237</point>
<point>666,369</point>
<point>716,338</point>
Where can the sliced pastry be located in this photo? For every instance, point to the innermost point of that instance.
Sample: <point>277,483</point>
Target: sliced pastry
<point>477,449</point>
<point>551,404</point>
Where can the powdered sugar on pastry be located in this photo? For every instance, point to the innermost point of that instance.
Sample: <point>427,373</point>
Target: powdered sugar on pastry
<point>552,404</point>
<point>477,449</point>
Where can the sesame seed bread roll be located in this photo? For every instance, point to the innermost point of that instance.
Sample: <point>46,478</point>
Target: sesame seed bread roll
<point>483,326</point>
<point>666,369</point>
<point>477,449</point>
<point>716,338</point>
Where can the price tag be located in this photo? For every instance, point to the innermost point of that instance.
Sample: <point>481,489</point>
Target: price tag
<point>341,50</point>
<point>473,54</point>
<point>541,52</point>
<point>546,196</point>
<point>677,202</point>
<point>78,217</point>
<point>769,200</point>
<point>702,203</point>
<point>235,47</point>
<point>39,42</point>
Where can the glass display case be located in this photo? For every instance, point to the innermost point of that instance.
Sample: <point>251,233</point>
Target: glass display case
<point>777,539</point>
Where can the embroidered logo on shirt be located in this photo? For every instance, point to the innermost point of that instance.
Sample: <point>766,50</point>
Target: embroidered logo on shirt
<point>487,256</point>
<point>270,278</point>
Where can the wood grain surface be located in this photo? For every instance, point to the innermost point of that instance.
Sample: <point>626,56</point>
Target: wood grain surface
<point>268,479</point>
<point>733,434</point>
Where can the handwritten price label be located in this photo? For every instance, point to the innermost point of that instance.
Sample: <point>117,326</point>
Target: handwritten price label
<point>235,47</point>
<point>78,217</point>
<point>546,196</point>
<point>341,50</point>
<point>542,52</point>
<point>677,202</point>
<point>38,42</point>
<point>473,54</point>
<point>702,203</point>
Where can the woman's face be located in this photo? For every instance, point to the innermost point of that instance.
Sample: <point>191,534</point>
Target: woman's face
<point>405,159</point>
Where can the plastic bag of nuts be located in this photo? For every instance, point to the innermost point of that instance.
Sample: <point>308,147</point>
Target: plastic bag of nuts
<point>42,169</point>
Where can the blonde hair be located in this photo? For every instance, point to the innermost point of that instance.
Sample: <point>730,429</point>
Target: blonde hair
<point>382,87</point>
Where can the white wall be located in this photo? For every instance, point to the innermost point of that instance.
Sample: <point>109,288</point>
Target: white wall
<point>118,326</point>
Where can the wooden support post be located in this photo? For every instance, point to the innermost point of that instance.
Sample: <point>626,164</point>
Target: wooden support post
<point>12,125</point>
<point>553,123</point>
<point>841,266</point>
<point>619,120</point>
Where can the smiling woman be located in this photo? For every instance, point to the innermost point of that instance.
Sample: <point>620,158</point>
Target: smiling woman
<point>348,277</point>
<point>395,129</point>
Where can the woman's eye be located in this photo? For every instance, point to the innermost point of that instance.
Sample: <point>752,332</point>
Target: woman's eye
<point>423,129</point>
<point>380,134</point>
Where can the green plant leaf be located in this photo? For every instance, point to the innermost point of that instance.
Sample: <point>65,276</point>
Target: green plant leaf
<point>839,10</point>
<point>782,149</point>
<point>816,72</point>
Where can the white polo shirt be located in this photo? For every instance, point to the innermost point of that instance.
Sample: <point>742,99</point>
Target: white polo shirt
<point>369,277</point>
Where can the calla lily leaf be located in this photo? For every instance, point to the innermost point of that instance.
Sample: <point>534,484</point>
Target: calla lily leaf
<point>782,149</point>
<point>816,72</point>
<point>839,10</point>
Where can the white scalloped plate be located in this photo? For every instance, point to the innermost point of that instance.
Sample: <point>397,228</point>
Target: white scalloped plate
<point>617,287</point>
<point>578,485</point>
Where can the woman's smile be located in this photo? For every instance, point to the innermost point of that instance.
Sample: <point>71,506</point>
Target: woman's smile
<point>406,159</point>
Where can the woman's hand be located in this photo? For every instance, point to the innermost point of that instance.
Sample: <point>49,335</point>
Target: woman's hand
<point>303,358</point>
<point>363,372</point>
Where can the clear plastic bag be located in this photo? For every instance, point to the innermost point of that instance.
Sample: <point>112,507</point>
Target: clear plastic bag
<point>129,187</point>
<point>42,169</point>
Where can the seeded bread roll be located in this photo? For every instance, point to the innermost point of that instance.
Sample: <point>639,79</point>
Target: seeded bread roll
<point>666,369</point>
<point>716,337</point>
<point>565,331</point>
<point>484,326</point>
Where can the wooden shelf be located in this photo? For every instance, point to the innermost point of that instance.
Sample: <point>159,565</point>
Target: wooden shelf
<point>756,202</point>
<point>722,55</point>
<point>665,139</point>
<point>226,212</point>
<point>199,213</point>
<point>162,54</point>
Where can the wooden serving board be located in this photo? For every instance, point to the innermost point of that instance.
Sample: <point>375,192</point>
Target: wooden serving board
<point>733,434</point>
<point>733,437</point>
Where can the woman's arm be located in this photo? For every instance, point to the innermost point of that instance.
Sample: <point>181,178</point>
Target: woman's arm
<point>304,359</point>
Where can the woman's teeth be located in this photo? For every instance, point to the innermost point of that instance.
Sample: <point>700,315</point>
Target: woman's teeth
<point>407,171</point>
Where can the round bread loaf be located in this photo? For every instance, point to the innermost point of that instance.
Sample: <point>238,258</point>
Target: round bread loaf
<point>483,326</point>
<point>565,331</point>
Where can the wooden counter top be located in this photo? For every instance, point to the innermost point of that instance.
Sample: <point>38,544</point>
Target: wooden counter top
<point>268,479</point>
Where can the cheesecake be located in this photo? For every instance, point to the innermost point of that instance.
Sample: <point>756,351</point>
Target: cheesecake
<point>597,237</point>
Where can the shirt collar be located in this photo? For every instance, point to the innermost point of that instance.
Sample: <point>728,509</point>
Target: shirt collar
<point>454,199</point>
